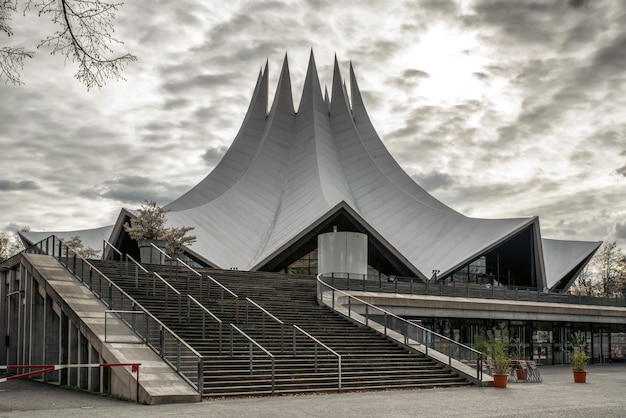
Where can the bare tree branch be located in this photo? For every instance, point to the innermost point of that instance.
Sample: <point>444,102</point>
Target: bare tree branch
<point>84,37</point>
<point>11,63</point>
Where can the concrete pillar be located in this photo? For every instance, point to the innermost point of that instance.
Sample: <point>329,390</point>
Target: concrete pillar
<point>94,372</point>
<point>73,337</point>
<point>51,337</point>
<point>37,337</point>
<point>83,358</point>
<point>64,335</point>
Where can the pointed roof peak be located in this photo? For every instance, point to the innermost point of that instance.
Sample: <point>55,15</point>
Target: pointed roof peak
<point>311,82</point>
<point>285,67</point>
<point>283,97</point>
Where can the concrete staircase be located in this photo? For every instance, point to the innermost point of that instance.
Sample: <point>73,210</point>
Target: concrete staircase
<point>368,360</point>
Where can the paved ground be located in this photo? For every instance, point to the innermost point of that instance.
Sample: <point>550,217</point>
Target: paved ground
<point>604,395</point>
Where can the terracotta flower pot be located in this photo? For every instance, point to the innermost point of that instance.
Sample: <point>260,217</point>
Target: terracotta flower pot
<point>499,380</point>
<point>521,374</point>
<point>580,376</point>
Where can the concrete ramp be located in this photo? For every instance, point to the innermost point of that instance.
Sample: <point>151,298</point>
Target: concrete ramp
<point>51,318</point>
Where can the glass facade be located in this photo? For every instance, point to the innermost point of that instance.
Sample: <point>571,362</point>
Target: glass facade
<point>544,342</point>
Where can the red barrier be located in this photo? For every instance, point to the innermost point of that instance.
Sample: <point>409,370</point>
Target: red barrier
<point>45,368</point>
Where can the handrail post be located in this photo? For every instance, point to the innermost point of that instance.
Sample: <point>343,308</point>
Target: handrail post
<point>385,315</point>
<point>251,357</point>
<point>179,308</point>
<point>237,310</point>
<point>220,337</point>
<point>339,371</point>
<point>200,375</point>
<point>282,338</point>
<point>273,376</point>
<point>231,341</point>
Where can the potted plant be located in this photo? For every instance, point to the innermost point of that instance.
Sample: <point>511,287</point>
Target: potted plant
<point>520,372</point>
<point>578,357</point>
<point>495,345</point>
<point>148,228</point>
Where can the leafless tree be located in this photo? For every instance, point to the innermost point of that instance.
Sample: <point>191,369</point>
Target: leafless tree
<point>611,267</point>
<point>76,244</point>
<point>84,35</point>
<point>9,245</point>
<point>605,275</point>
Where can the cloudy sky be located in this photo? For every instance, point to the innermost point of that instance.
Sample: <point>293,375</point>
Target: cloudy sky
<point>499,108</point>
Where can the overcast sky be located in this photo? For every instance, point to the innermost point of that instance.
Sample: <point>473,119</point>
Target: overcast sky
<point>499,108</point>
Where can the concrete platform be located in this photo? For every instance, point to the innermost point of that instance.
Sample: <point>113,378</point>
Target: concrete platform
<point>558,396</point>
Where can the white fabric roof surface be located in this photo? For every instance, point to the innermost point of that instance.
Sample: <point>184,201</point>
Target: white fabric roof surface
<point>287,171</point>
<point>562,256</point>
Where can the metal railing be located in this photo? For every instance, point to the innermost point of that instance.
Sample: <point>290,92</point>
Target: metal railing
<point>266,313</point>
<point>251,345</point>
<point>223,289</point>
<point>455,355</point>
<point>138,267</point>
<point>192,302</point>
<point>317,343</point>
<point>106,244</point>
<point>416,286</point>
<point>187,362</point>
<point>167,289</point>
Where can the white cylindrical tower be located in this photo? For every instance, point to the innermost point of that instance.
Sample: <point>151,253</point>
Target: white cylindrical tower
<point>342,253</point>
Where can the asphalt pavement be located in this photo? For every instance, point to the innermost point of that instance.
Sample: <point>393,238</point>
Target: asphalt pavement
<point>604,395</point>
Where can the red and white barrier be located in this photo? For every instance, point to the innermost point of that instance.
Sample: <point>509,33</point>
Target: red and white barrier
<point>46,368</point>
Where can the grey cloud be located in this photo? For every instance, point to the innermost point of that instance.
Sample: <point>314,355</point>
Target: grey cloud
<point>22,185</point>
<point>580,156</point>
<point>203,81</point>
<point>577,4</point>
<point>620,230</point>
<point>134,189</point>
<point>442,7</point>
<point>177,103</point>
<point>213,155</point>
<point>523,21</point>
<point>480,75</point>
<point>434,180</point>
<point>621,171</point>
<point>415,73</point>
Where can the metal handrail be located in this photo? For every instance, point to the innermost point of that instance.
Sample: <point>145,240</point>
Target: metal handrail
<point>106,243</point>
<point>428,336</point>
<point>137,267</point>
<point>161,251</point>
<point>191,299</point>
<point>167,286</point>
<point>318,342</point>
<point>223,288</point>
<point>251,343</point>
<point>266,312</point>
<point>163,330</point>
<point>417,286</point>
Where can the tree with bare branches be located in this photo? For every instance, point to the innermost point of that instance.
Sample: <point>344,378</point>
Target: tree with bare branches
<point>84,36</point>
<point>605,275</point>
<point>9,245</point>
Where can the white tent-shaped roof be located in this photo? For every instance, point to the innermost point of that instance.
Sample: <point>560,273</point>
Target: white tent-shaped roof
<point>289,174</point>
